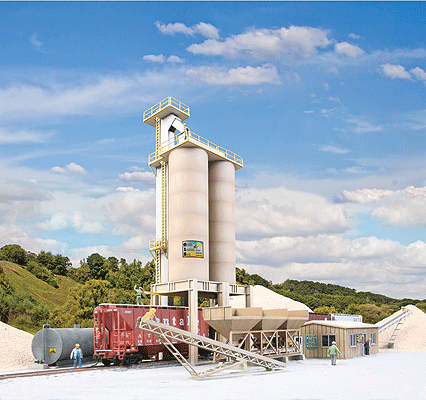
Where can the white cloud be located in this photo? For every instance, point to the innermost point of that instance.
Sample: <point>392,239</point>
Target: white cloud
<point>206,30</point>
<point>155,58</point>
<point>360,125</point>
<point>364,195</point>
<point>334,149</point>
<point>127,189</point>
<point>174,59</point>
<point>419,74</point>
<point>75,220</point>
<point>395,71</point>
<point>70,169</point>
<point>381,266</point>
<point>354,36</point>
<point>35,43</point>
<point>21,136</point>
<point>237,76</point>
<point>138,176</point>
<point>277,211</point>
<point>348,49</point>
<point>296,42</point>
<point>132,212</point>
<point>57,95</point>
<point>21,200</point>
<point>136,168</point>
<point>405,209</point>
<point>10,234</point>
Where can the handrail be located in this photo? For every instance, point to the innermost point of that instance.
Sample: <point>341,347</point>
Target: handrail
<point>405,313</point>
<point>168,101</point>
<point>185,137</point>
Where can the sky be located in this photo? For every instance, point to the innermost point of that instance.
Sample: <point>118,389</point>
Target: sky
<point>325,102</point>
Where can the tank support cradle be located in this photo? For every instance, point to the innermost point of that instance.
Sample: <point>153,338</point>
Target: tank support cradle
<point>235,355</point>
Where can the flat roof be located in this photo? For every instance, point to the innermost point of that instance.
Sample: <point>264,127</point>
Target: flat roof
<point>341,324</point>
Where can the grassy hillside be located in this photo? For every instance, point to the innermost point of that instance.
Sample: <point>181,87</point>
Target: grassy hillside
<point>25,282</point>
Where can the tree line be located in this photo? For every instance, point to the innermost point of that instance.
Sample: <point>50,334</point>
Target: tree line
<point>101,279</point>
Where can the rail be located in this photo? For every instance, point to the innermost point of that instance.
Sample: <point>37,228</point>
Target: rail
<point>167,334</point>
<point>188,136</point>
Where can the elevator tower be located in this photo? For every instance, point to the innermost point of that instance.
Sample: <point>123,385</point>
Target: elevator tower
<point>195,200</point>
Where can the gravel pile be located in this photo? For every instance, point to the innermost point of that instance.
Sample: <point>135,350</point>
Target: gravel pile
<point>268,300</point>
<point>411,336</point>
<point>15,348</point>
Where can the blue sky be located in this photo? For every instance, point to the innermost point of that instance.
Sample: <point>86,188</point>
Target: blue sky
<point>325,102</point>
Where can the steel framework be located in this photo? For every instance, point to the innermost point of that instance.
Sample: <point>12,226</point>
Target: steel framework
<point>272,343</point>
<point>234,355</point>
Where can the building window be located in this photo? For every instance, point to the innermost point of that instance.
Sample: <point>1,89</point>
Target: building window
<point>326,340</point>
<point>353,340</point>
<point>373,338</point>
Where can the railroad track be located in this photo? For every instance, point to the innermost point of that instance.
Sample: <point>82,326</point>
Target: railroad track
<point>67,370</point>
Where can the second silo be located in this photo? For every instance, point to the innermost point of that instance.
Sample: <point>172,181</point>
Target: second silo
<point>188,214</point>
<point>222,221</point>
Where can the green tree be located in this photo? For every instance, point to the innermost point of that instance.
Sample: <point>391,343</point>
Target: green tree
<point>5,286</point>
<point>97,266</point>
<point>13,253</point>
<point>372,313</point>
<point>352,309</point>
<point>325,310</point>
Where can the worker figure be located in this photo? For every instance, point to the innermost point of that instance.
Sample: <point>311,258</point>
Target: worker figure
<point>367,347</point>
<point>186,130</point>
<point>333,351</point>
<point>138,295</point>
<point>76,355</point>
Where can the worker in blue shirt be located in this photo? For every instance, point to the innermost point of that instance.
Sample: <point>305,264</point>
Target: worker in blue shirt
<point>76,355</point>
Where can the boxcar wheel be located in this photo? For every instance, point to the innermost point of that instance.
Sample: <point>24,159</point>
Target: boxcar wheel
<point>125,360</point>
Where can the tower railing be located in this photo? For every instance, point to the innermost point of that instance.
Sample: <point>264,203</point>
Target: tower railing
<point>188,136</point>
<point>168,101</point>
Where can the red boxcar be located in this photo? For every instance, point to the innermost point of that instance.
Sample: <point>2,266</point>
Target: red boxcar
<point>118,340</point>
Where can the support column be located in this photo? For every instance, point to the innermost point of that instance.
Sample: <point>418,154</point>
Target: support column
<point>193,318</point>
<point>249,296</point>
<point>223,294</point>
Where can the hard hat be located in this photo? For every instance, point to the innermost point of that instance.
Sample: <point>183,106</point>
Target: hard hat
<point>77,345</point>
<point>333,342</point>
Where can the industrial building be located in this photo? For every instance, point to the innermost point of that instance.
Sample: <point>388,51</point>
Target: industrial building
<point>349,336</point>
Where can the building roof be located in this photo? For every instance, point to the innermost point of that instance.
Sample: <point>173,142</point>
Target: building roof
<point>341,324</point>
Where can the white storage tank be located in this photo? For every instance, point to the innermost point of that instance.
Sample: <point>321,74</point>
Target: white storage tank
<point>188,233</point>
<point>222,221</point>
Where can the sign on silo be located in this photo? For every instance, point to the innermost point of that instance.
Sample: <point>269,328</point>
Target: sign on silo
<point>192,248</point>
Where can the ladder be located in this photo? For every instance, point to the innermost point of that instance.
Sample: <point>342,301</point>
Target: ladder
<point>235,355</point>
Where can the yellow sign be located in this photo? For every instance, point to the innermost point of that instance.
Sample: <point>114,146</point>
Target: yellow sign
<point>52,350</point>
<point>192,248</point>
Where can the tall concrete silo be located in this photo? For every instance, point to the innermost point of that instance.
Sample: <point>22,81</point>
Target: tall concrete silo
<point>195,195</point>
<point>222,221</point>
<point>188,214</point>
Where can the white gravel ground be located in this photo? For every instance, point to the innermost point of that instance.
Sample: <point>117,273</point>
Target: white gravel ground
<point>388,375</point>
